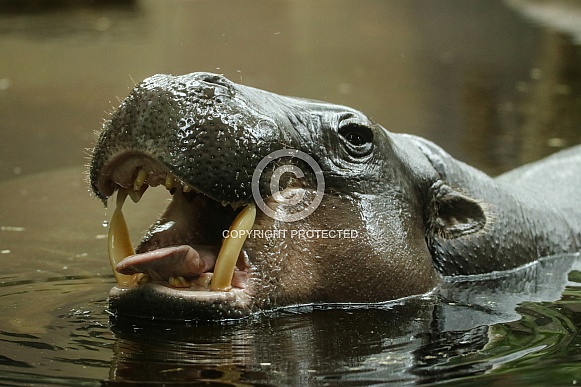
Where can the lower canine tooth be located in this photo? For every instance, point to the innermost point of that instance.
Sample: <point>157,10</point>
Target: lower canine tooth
<point>230,250</point>
<point>119,242</point>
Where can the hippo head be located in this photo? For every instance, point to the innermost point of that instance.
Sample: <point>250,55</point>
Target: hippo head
<point>361,239</point>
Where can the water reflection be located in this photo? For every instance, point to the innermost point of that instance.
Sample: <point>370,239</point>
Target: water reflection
<point>421,340</point>
<point>291,349</point>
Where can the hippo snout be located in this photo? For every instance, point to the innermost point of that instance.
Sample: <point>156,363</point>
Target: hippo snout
<point>198,126</point>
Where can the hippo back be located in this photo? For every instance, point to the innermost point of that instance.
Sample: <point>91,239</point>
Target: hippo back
<point>556,179</point>
<point>554,183</point>
<point>531,212</point>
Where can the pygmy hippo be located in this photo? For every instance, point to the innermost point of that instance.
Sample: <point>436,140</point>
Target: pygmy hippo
<point>280,201</point>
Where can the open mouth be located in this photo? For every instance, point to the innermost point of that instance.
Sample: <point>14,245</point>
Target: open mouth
<point>195,247</point>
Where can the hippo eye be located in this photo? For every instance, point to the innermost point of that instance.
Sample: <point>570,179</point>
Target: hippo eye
<point>355,138</point>
<point>358,139</point>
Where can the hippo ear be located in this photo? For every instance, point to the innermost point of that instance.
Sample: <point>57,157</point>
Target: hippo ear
<point>453,214</point>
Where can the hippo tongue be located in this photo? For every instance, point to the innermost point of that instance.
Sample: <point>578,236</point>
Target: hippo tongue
<point>176,261</point>
<point>173,261</point>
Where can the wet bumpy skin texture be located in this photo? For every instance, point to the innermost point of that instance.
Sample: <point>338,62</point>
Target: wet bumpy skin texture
<point>415,213</point>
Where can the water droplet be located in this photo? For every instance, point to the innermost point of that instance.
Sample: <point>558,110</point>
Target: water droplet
<point>105,223</point>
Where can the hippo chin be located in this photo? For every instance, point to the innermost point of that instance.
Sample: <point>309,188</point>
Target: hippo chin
<point>397,215</point>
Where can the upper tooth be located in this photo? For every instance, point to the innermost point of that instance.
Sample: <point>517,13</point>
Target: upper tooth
<point>168,181</point>
<point>231,246</point>
<point>136,195</point>
<point>139,180</point>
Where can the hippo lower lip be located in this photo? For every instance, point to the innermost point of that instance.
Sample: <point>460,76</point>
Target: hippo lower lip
<point>178,256</point>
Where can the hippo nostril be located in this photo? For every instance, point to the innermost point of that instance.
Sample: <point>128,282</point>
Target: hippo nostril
<point>215,79</point>
<point>215,84</point>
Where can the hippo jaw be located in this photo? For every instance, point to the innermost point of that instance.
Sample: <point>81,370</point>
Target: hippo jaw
<point>184,133</point>
<point>176,260</point>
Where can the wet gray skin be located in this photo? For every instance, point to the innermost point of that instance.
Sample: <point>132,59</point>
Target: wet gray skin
<point>419,215</point>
